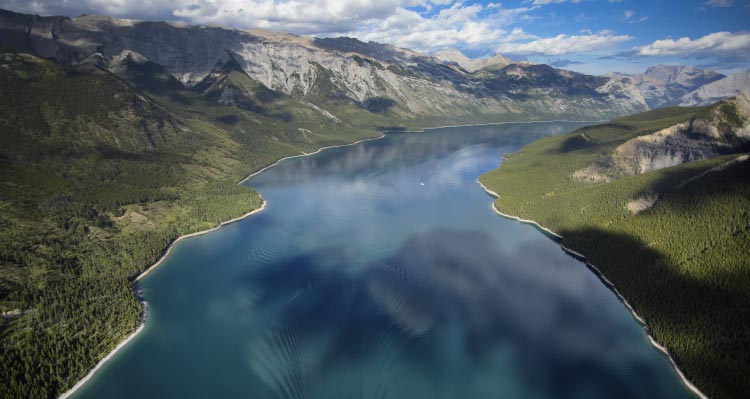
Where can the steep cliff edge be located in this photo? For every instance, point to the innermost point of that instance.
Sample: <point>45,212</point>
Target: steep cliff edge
<point>663,85</point>
<point>724,128</point>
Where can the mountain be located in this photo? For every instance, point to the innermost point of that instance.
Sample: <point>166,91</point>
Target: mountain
<point>117,136</point>
<point>406,87</point>
<point>728,86</point>
<point>99,172</point>
<point>391,81</point>
<point>721,130</point>
<point>657,205</point>
<point>661,85</point>
<point>454,56</point>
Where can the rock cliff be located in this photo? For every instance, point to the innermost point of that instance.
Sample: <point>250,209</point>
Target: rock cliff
<point>380,78</point>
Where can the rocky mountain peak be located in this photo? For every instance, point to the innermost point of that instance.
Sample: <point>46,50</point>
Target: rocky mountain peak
<point>663,85</point>
<point>455,56</point>
<point>724,129</point>
<point>734,84</point>
<point>340,71</point>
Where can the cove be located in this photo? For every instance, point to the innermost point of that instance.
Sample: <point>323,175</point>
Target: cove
<point>380,270</point>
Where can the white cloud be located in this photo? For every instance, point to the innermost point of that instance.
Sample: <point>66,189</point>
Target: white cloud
<point>565,44</point>
<point>425,25</point>
<point>119,8</point>
<point>714,44</point>
<point>460,25</point>
<point>545,2</point>
<point>718,3</point>
<point>628,17</point>
<point>722,50</point>
<point>298,16</point>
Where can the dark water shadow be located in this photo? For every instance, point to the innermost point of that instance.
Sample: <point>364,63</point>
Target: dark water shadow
<point>400,310</point>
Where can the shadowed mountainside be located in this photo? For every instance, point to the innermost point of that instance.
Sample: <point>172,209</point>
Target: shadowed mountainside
<point>673,241</point>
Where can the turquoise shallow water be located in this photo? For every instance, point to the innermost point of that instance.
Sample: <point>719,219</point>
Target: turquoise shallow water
<point>379,270</point>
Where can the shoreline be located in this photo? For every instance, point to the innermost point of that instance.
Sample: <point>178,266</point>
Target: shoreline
<point>197,233</point>
<point>516,218</point>
<point>98,365</point>
<point>304,154</point>
<point>490,124</point>
<point>166,253</point>
<point>383,133</point>
<point>598,273</point>
<point>144,304</point>
<point>161,259</point>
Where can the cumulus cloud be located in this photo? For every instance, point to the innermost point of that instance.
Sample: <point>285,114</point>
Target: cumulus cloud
<point>298,16</point>
<point>468,26</point>
<point>545,2</point>
<point>161,9</point>
<point>720,49</point>
<point>424,25</point>
<point>565,44</point>
<point>715,44</point>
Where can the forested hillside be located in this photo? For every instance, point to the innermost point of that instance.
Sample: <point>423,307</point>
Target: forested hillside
<point>97,177</point>
<point>674,241</point>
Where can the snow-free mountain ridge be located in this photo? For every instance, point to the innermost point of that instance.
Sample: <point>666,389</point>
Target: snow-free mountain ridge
<point>396,83</point>
<point>400,83</point>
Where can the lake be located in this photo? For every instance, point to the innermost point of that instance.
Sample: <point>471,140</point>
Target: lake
<point>379,270</point>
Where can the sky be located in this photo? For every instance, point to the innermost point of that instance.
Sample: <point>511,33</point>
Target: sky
<point>590,36</point>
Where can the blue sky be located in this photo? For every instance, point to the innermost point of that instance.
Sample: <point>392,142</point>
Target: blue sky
<point>592,36</point>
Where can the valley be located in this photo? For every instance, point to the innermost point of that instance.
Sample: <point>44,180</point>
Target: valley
<point>117,136</point>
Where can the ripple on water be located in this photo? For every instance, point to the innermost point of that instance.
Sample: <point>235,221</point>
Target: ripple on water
<point>273,243</point>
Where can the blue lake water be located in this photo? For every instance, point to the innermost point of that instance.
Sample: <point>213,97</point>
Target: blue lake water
<point>379,270</point>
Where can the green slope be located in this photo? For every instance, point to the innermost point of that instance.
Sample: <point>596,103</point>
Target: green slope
<point>97,177</point>
<point>682,264</point>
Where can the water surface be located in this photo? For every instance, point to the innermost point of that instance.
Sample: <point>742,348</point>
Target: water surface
<point>379,270</point>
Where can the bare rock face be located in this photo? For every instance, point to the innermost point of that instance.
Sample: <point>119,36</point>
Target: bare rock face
<point>731,85</point>
<point>725,130</point>
<point>454,56</point>
<point>663,85</point>
<point>378,77</point>
<point>642,203</point>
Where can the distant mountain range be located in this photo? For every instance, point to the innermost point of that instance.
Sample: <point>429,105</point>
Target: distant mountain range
<point>393,82</point>
<point>458,59</point>
<point>117,136</point>
<point>664,85</point>
<point>731,85</point>
<point>657,205</point>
